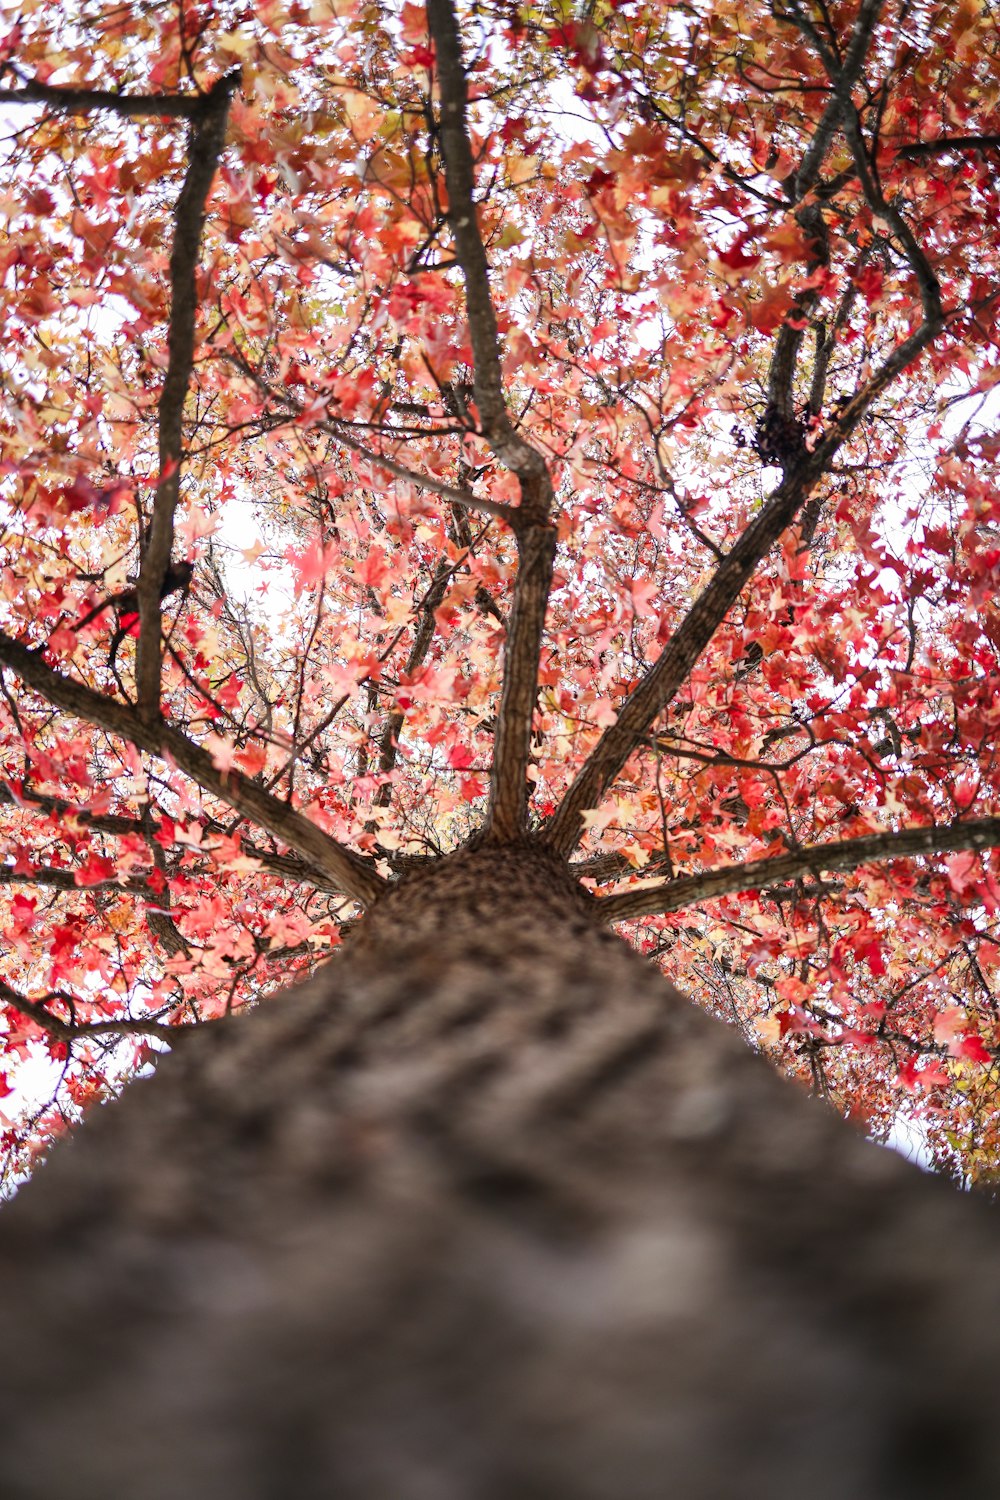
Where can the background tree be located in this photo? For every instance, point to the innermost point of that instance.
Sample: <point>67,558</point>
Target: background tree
<point>558,436</point>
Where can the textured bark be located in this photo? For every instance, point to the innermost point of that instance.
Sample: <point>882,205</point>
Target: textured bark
<point>488,1211</point>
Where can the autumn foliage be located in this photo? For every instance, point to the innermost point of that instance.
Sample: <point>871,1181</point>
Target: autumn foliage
<point>608,457</point>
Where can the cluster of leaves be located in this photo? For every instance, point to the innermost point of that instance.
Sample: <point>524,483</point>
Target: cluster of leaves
<point>719,319</point>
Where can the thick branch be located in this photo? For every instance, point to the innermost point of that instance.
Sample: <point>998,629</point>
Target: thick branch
<point>59,807</point>
<point>84,101</point>
<point>55,878</point>
<point>67,1031</point>
<point>946,143</point>
<point>663,680</point>
<point>927,282</point>
<point>757,874</point>
<point>65,880</point>
<point>507,817</point>
<point>788,344</point>
<point>459,171</point>
<point>660,684</point>
<point>843,81</point>
<point>292,867</point>
<point>608,865</point>
<point>658,687</point>
<point>208,136</point>
<point>351,873</point>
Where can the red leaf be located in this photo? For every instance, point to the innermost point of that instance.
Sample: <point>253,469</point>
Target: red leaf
<point>96,869</point>
<point>966,791</point>
<point>972,1048</point>
<point>460,757</point>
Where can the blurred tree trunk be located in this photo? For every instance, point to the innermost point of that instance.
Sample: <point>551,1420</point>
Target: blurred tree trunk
<point>488,1210</point>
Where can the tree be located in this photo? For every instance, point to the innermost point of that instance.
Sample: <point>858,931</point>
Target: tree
<point>510,473</point>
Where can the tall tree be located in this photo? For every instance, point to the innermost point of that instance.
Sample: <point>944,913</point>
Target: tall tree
<point>473,478</point>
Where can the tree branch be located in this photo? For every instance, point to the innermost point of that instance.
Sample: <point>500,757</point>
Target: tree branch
<point>292,867</point>
<point>59,807</point>
<point>659,685</point>
<point>843,80</point>
<point>422,638</point>
<point>74,101</point>
<point>289,865</point>
<point>668,673</point>
<point>67,1031</point>
<point>208,136</point>
<point>809,215</point>
<point>457,494</point>
<point>459,171</point>
<point>507,816</point>
<point>946,143</point>
<point>60,879</point>
<point>662,681</point>
<point>927,282</point>
<point>756,874</point>
<point>352,873</point>
<point>452,492</point>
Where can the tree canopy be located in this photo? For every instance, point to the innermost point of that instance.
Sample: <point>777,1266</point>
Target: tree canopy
<point>580,425</point>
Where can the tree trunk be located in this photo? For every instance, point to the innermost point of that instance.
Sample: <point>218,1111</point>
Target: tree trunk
<point>488,1212</point>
